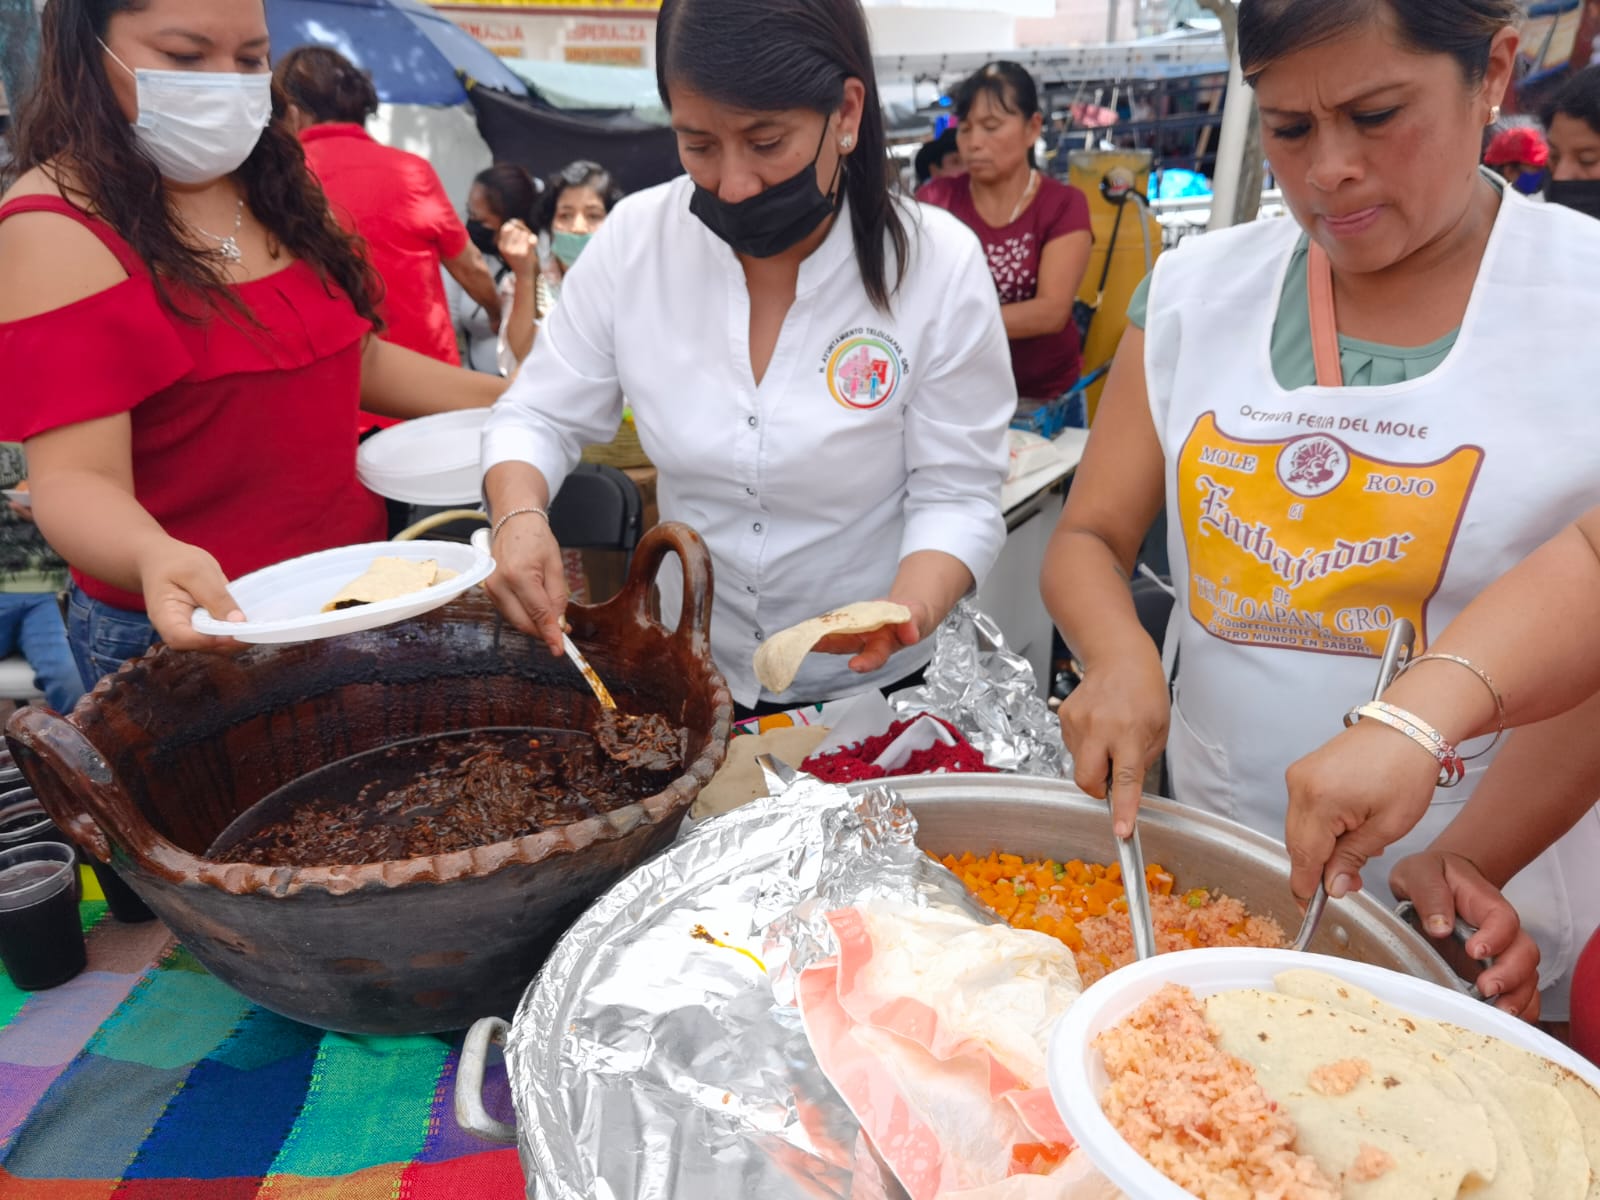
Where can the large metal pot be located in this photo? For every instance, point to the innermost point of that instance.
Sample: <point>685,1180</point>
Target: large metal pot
<point>1043,818</point>
<point>165,754</point>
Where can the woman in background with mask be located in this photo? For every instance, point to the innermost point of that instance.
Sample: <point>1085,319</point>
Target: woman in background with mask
<point>503,195</point>
<point>576,203</point>
<point>1572,120</point>
<point>1520,156</point>
<point>817,367</point>
<point>186,334</point>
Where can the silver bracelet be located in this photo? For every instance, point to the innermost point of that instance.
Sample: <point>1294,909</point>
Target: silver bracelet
<point>494,534</point>
<point>1483,677</point>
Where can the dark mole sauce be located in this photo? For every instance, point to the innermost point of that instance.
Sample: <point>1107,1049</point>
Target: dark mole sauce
<point>454,791</point>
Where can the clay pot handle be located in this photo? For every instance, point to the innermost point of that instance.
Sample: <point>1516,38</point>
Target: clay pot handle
<point>694,624</point>
<point>66,772</point>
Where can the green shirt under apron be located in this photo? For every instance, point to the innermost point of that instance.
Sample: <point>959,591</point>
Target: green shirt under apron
<point>1366,364</point>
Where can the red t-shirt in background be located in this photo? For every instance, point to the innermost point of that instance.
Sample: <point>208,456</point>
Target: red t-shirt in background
<point>1046,366</point>
<point>396,203</point>
<point>243,428</point>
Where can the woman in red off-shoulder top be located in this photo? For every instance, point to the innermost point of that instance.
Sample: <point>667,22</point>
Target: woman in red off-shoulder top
<point>186,335</point>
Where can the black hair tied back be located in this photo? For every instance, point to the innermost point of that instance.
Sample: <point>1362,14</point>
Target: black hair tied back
<point>773,55</point>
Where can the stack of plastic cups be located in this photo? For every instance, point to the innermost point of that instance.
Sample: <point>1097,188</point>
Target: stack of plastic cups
<point>23,821</point>
<point>41,939</point>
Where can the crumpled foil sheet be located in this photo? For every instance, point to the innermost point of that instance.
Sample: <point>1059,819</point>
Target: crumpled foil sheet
<point>649,1064</point>
<point>990,694</point>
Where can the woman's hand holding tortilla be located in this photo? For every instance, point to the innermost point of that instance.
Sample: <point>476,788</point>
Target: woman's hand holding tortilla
<point>177,579</point>
<point>529,586</point>
<point>872,651</point>
<point>1444,885</point>
<point>1351,800</point>
<point>1115,725</point>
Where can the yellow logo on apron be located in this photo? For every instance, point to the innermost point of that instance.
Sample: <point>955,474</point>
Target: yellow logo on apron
<point>1303,544</point>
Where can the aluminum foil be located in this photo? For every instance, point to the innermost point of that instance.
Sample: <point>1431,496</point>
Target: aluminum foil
<point>990,694</point>
<point>648,1063</point>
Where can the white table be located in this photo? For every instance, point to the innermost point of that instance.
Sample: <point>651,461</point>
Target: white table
<point>1010,595</point>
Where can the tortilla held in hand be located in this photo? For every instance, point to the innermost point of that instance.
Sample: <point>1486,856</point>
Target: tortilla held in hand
<point>778,661</point>
<point>386,579</point>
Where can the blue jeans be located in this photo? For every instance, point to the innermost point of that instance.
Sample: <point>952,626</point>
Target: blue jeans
<point>103,637</point>
<point>30,624</point>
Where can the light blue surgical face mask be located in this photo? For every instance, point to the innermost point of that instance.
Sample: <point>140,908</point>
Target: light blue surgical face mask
<point>197,126</point>
<point>567,246</point>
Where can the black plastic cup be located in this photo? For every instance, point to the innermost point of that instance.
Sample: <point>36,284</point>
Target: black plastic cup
<point>41,941</point>
<point>24,822</point>
<point>121,899</point>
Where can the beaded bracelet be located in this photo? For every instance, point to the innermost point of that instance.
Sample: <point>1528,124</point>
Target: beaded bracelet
<point>1451,766</point>
<point>1483,677</point>
<point>515,512</point>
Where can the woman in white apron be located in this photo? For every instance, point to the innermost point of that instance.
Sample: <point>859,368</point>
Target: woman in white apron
<point>1320,487</point>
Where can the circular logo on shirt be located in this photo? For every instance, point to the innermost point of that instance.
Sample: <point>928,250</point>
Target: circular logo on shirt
<point>863,372</point>
<point>1313,466</point>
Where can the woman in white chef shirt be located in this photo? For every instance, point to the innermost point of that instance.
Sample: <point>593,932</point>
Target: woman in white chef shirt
<point>1326,409</point>
<point>817,368</point>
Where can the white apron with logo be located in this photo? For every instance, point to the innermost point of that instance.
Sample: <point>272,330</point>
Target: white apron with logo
<point>1303,523</point>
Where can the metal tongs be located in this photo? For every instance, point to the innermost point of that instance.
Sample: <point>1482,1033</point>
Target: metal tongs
<point>1131,854</point>
<point>1402,644</point>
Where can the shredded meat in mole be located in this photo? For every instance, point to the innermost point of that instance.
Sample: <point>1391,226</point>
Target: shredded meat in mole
<point>645,743</point>
<point>439,795</point>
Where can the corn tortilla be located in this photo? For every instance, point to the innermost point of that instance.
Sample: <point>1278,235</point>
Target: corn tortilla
<point>386,579</point>
<point>778,661</point>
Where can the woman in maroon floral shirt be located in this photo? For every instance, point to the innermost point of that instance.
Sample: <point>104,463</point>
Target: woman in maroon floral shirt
<point>1035,230</point>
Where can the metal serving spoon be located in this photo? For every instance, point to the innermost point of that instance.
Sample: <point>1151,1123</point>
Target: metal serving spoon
<point>1402,644</point>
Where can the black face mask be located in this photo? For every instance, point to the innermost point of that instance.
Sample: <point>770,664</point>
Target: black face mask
<point>1581,194</point>
<point>484,238</point>
<point>775,220</point>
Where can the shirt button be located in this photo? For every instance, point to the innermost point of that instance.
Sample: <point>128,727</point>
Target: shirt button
<point>753,422</point>
<point>749,491</point>
<point>751,590</point>
<point>760,636</point>
<point>756,527</point>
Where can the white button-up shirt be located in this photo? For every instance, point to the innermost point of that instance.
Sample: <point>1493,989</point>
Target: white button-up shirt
<point>873,435</point>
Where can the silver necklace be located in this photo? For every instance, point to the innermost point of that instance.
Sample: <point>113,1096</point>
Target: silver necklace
<point>1027,194</point>
<point>227,247</point>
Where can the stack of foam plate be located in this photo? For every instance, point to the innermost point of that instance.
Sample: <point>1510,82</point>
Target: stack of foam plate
<point>432,461</point>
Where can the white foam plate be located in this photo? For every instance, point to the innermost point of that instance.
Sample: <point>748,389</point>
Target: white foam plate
<point>432,460</point>
<point>1078,1076</point>
<point>18,496</point>
<point>283,603</point>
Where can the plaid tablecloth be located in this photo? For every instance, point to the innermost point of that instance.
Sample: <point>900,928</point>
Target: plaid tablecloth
<point>146,1078</point>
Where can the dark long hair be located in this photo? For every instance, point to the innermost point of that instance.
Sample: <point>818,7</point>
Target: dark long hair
<point>1463,29</point>
<point>511,192</point>
<point>580,174</point>
<point>69,125</point>
<point>1011,88</point>
<point>326,86</point>
<point>771,55</point>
